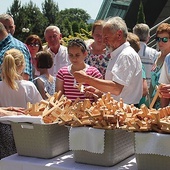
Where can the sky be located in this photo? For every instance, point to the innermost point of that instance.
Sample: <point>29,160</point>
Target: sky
<point>90,6</point>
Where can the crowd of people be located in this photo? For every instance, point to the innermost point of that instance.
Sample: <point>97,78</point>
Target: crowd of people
<point>115,61</point>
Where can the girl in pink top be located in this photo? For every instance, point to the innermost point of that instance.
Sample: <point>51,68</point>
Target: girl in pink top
<point>77,52</point>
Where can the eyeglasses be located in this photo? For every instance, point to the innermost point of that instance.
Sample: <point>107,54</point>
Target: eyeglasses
<point>164,39</point>
<point>34,44</point>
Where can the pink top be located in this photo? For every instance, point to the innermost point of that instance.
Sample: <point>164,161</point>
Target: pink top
<point>70,91</point>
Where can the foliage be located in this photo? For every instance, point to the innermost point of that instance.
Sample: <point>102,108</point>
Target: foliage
<point>141,15</point>
<point>75,15</point>
<point>50,11</point>
<point>72,22</point>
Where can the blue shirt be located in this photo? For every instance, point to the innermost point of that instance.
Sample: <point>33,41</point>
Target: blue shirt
<point>10,42</point>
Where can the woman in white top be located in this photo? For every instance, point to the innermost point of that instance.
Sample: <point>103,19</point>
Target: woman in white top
<point>16,92</point>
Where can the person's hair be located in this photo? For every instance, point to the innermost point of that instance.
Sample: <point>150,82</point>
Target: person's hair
<point>12,67</point>
<point>142,31</point>
<point>34,39</point>
<point>2,28</point>
<point>44,59</point>
<point>4,17</point>
<point>117,23</point>
<point>97,23</point>
<point>134,41</point>
<point>52,27</point>
<point>163,28</point>
<point>77,42</point>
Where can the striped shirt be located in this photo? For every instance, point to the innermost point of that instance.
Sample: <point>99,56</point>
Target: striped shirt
<point>70,91</point>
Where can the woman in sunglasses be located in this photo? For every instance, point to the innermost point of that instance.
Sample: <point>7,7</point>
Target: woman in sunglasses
<point>34,45</point>
<point>163,42</point>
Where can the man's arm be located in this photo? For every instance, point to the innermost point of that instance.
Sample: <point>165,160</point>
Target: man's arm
<point>103,85</point>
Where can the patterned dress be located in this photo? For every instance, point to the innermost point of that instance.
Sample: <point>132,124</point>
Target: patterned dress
<point>49,87</point>
<point>99,61</point>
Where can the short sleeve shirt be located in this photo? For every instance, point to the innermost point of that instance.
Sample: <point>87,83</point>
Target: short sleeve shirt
<point>10,42</point>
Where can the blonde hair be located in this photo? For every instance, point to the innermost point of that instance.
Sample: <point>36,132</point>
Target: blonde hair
<point>12,67</point>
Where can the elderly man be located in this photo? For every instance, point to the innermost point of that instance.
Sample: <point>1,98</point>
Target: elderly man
<point>124,72</point>
<point>8,22</point>
<point>59,52</point>
<point>147,54</point>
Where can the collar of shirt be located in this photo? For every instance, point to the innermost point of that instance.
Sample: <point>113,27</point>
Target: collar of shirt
<point>117,51</point>
<point>5,40</point>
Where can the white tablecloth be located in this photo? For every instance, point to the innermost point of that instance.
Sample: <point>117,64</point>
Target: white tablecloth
<point>62,162</point>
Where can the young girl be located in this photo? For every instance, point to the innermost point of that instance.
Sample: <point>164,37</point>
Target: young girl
<point>77,52</point>
<point>16,92</point>
<point>45,82</point>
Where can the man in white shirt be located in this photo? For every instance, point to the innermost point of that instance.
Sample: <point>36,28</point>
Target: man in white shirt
<point>124,72</point>
<point>147,54</point>
<point>59,52</point>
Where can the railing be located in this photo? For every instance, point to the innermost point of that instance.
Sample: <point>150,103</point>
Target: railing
<point>152,42</point>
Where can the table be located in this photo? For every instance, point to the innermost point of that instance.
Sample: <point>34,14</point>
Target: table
<point>62,162</point>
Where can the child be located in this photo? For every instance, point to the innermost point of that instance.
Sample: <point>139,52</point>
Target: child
<point>45,82</point>
<point>77,52</point>
<point>16,92</point>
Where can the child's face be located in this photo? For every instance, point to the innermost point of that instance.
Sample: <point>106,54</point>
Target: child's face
<point>76,55</point>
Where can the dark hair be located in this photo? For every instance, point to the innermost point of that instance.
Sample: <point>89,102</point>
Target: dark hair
<point>32,39</point>
<point>44,59</point>
<point>77,42</point>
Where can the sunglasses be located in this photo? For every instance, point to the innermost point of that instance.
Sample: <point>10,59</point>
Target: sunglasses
<point>164,39</point>
<point>34,44</point>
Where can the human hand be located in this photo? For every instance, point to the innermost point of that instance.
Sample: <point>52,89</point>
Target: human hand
<point>10,111</point>
<point>91,91</point>
<point>164,90</point>
<point>80,76</point>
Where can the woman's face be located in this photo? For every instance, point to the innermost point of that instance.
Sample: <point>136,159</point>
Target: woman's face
<point>76,55</point>
<point>163,41</point>
<point>33,48</point>
<point>98,35</point>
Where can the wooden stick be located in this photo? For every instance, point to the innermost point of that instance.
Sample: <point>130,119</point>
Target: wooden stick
<point>154,99</point>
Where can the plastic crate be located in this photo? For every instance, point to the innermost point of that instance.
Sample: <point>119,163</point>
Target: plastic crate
<point>152,162</point>
<point>119,145</point>
<point>147,155</point>
<point>40,140</point>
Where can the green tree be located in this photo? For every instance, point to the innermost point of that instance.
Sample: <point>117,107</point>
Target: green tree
<point>83,25</point>
<point>141,15</point>
<point>75,27</point>
<point>66,28</point>
<point>30,18</point>
<point>75,15</point>
<point>51,11</point>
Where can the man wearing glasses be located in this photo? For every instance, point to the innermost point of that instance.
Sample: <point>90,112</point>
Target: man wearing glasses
<point>147,54</point>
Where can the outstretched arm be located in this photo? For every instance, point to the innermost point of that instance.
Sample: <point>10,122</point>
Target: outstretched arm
<point>103,85</point>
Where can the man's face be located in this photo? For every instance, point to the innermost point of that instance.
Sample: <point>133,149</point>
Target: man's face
<point>53,38</point>
<point>9,25</point>
<point>110,38</point>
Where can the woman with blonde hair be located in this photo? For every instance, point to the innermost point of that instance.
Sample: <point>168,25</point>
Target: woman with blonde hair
<point>16,92</point>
